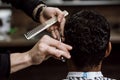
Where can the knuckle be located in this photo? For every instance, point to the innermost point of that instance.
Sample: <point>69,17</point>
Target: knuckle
<point>42,47</point>
<point>58,44</point>
<point>56,8</point>
<point>58,54</point>
<point>45,36</point>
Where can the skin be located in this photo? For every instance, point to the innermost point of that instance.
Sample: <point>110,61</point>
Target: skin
<point>73,68</point>
<point>46,47</point>
<point>49,12</point>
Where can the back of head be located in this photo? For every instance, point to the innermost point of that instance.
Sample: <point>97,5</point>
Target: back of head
<point>88,33</point>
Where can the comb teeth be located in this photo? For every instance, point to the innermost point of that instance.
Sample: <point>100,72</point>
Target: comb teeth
<point>42,27</point>
<point>28,34</point>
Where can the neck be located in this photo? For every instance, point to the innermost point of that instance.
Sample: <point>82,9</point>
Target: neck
<point>73,68</point>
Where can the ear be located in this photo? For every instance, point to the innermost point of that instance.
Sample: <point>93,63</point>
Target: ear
<point>108,50</point>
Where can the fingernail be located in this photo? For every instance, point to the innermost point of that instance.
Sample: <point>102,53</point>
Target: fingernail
<point>69,56</point>
<point>70,47</point>
<point>59,20</point>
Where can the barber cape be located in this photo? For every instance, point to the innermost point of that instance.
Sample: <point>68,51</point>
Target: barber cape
<point>86,76</point>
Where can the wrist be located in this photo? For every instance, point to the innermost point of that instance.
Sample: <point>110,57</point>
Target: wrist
<point>28,58</point>
<point>37,11</point>
<point>20,61</point>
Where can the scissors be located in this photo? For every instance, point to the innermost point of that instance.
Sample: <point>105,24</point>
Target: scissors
<point>44,26</point>
<point>60,39</point>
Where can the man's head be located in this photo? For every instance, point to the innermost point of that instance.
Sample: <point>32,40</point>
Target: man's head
<point>88,33</point>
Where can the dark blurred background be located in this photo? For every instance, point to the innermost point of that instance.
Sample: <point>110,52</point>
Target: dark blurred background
<point>13,38</point>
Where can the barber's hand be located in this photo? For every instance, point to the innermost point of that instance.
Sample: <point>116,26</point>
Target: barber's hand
<point>48,46</point>
<point>50,12</point>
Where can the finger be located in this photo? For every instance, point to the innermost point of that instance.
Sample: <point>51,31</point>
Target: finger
<point>53,34</point>
<point>57,30</point>
<point>58,44</point>
<point>60,14</point>
<point>55,43</point>
<point>53,27</point>
<point>50,29</point>
<point>62,25</point>
<point>60,17</point>
<point>57,33</point>
<point>57,53</point>
<point>54,31</point>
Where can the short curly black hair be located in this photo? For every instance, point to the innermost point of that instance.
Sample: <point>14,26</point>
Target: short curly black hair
<point>88,33</point>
